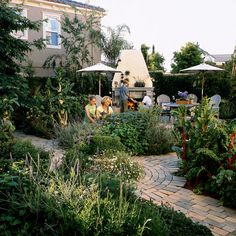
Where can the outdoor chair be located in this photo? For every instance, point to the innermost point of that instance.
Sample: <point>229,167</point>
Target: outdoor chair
<point>215,104</point>
<point>193,97</point>
<point>162,100</point>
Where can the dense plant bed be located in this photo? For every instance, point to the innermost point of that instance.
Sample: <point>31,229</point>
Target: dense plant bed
<point>136,132</point>
<point>34,202</point>
<point>208,153</point>
<point>141,132</point>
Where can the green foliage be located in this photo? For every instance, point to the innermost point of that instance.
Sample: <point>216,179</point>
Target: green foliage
<point>13,49</point>
<point>54,104</point>
<point>75,134</point>
<point>226,185</point>
<point>29,199</point>
<point>100,143</point>
<point>144,50</point>
<point>227,109</point>
<point>189,55</point>
<point>6,130</point>
<point>117,163</point>
<point>130,127</point>
<point>160,138</point>
<point>113,41</point>
<point>171,84</point>
<point>80,42</point>
<point>155,60</point>
<point>20,149</point>
<point>208,152</point>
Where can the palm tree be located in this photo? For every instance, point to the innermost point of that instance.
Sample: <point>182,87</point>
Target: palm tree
<point>113,41</point>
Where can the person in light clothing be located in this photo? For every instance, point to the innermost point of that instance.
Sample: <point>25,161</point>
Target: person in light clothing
<point>147,101</point>
<point>104,110</point>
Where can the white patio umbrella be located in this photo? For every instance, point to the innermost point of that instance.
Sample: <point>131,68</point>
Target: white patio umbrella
<point>101,68</point>
<point>202,68</point>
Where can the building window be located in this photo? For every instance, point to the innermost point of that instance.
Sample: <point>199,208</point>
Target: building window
<point>52,30</point>
<point>22,34</point>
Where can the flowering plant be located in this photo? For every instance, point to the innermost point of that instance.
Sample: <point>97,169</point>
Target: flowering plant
<point>183,95</point>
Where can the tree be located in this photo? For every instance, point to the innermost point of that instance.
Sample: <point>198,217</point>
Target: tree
<point>81,36</point>
<point>233,74</point>
<point>189,55</point>
<point>144,50</point>
<point>113,41</point>
<point>13,52</point>
<point>155,61</point>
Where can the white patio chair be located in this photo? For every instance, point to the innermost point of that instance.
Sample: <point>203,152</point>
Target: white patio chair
<point>162,100</point>
<point>215,104</point>
<point>193,96</point>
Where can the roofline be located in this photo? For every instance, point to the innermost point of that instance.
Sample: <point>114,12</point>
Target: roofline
<point>100,11</point>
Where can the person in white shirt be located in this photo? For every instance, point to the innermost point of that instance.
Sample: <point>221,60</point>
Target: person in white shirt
<point>147,101</point>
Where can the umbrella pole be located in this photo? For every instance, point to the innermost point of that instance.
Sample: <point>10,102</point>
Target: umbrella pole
<point>203,81</point>
<point>99,85</point>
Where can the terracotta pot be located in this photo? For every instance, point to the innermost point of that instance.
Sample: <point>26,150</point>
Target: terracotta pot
<point>179,101</point>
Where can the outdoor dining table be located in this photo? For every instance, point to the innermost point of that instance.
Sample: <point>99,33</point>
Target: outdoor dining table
<point>174,105</point>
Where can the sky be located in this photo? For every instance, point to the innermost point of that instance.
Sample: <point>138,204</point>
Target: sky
<point>169,24</point>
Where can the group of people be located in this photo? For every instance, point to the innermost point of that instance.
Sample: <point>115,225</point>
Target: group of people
<point>125,97</point>
<point>94,113</point>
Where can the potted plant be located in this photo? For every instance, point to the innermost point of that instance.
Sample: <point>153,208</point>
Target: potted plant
<point>139,83</point>
<point>183,98</point>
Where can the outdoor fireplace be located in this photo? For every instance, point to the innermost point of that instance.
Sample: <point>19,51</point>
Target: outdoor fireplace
<point>134,68</point>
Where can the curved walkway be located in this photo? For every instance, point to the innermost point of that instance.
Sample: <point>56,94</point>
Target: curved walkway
<point>161,186</point>
<point>47,145</point>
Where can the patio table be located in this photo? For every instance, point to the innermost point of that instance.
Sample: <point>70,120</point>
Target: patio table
<point>173,105</point>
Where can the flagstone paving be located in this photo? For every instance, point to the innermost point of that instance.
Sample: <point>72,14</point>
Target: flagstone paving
<point>161,186</point>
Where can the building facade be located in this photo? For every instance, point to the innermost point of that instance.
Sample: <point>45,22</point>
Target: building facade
<point>50,30</point>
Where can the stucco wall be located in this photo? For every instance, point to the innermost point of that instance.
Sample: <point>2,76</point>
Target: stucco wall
<point>38,57</point>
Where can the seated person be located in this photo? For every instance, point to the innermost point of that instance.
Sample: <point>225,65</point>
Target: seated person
<point>104,110</point>
<point>147,101</point>
<point>90,110</point>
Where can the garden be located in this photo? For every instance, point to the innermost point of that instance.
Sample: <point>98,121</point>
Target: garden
<point>92,191</point>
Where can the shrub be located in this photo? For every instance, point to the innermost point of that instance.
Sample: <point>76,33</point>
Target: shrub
<point>72,208</point>
<point>130,127</point>
<point>20,149</point>
<point>101,143</point>
<point>160,138</point>
<point>74,134</point>
<point>117,163</point>
<point>226,185</point>
<point>227,109</point>
<point>170,84</point>
<point>208,152</point>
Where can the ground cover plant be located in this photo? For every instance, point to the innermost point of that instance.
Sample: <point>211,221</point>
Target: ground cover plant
<point>89,194</point>
<point>84,201</point>
<point>140,132</point>
<point>208,152</point>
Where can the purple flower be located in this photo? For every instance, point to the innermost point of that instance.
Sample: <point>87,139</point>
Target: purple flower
<point>183,95</point>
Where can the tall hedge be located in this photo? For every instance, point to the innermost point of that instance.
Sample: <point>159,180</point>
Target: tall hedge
<point>170,84</point>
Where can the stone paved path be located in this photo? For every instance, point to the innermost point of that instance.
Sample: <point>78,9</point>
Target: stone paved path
<point>47,145</point>
<point>161,186</point>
